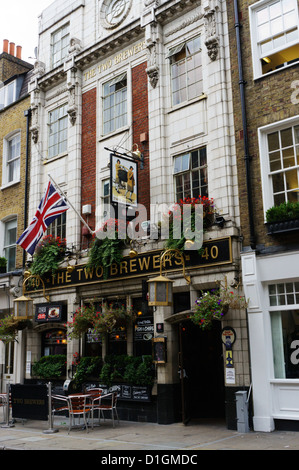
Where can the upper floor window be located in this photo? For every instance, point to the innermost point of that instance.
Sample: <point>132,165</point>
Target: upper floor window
<point>186,71</point>
<point>190,173</point>
<point>58,227</point>
<point>7,94</point>
<point>11,159</point>
<point>60,41</point>
<point>9,248</point>
<point>274,34</point>
<point>58,123</point>
<point>115,104</point>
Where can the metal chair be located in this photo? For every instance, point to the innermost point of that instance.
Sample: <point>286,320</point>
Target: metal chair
<point>60,405</point>
<point>109,404</point>
<point>78,407</point>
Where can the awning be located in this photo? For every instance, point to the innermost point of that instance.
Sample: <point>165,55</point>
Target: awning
<point>180,316</point>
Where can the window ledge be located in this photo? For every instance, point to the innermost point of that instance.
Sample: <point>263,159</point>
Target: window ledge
<point>53,159</point>
<point>259,77</point>
<point>187,103</point>
<point>9,185</point>
<point>285,226</point>
<point>113,133</point>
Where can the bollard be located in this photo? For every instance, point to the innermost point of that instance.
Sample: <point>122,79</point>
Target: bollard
<point>7,423</point>
<point>51,430</point>
<point>242,411</point>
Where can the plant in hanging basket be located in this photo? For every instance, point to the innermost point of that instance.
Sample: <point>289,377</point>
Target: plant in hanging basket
<point>214,304</point>
<point>9,327</point>
<point>110,318</point>
<point>48,255</point>
<point>82,320</point>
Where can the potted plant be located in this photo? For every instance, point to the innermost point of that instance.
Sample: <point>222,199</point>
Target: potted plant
<point>50,367</point>
<point>3,264</point>
<point>48,255</point>
<point>106,250</point>
<point>213,305</point>
<point>177,237</point>
<point>283,218</point>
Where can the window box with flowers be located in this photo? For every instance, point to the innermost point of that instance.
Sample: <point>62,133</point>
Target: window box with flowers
<point>213,305</point>
<point>177,237</point>
<point>48,255</point>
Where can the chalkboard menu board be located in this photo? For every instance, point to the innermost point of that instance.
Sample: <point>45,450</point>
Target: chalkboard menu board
<point>129,392</point>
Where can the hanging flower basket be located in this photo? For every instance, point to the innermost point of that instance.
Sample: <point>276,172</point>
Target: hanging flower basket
<point>48,255</point>
<point>213,305</point>
<point>9,327</point>
<point>82,320</point>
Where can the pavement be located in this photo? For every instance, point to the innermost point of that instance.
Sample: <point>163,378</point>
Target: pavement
<point>156,442</point>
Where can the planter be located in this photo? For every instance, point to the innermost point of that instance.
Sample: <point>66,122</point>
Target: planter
<point>2,269</point>
<point>284,226</point>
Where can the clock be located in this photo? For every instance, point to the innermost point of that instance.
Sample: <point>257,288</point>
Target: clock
<point>113,12</point>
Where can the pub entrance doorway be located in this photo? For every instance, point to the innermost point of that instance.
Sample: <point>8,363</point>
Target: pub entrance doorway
<point>202,379</point>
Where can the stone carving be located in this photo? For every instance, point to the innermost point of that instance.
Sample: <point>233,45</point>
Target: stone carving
<point>212,40</point>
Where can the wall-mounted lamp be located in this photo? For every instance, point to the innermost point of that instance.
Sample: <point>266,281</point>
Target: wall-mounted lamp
<point>23,306</point>
<point>160,287</point>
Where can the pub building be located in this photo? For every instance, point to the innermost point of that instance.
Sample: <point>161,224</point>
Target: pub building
<point>143,85</point>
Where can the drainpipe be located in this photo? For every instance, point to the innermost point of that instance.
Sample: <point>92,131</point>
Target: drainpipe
<point>27,114</point>
<point>244,121</point>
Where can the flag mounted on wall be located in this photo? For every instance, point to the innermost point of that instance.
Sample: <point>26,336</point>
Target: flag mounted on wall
<point>50,207</point>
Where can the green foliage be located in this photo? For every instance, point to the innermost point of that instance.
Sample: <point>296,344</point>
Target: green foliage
<point>104,253</point>
<point>49,253</point>
<point>285,211</point>
<point>3,262</point>
<point>123,368</point>
<point>87,367</point>
<point>9,327</point>
<point>50,367</point>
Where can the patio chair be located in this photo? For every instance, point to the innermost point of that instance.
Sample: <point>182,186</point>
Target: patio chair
<point>60,405</point>
<point>78,407</point>
<point>106,403</point>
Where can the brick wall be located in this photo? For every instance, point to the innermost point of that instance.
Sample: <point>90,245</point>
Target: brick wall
<point>11,65</point>
<point>140,127</point>
<point>268,100</point>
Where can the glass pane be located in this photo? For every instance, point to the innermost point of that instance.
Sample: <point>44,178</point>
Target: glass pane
<point>286,137</point>
<point>275,10</point>
<point>185,162</point>
<point>194,158</point>
<point>279,41</point>
<point>278,183</point>
<point>292,179</point>
<point>288,158</point>
<point>275,163</point>
<point>262,16</point>
<point>273,141</point>
<point>276,26</point>
<point>278,199</point>
<point>263,31</point>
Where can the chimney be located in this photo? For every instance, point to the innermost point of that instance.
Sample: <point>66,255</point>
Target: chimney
<point>19,52</point>
<point>12,48</point>
<point>5,45</point>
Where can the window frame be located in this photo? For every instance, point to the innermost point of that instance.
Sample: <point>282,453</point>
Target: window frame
<point>62,51</point>
<point>114,81</point>
<point>58,224</point>
<point>189,169</point>
<point>59,133</point>
<point>179,78</point>
<point>7,162</point>
<point>266,174</point>
<point>5,90</point>
<point>256,55</point>
<point>7,246</point>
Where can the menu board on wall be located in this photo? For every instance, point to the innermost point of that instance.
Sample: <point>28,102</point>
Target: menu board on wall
<point>49,312</point>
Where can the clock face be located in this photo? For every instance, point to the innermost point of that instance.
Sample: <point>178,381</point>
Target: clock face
<point>113,12</point>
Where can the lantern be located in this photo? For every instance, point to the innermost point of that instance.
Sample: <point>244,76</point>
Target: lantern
<point>160,291</point>
<point>23,308</point>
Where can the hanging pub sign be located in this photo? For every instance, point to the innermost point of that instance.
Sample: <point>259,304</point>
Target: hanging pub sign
<point>123,181</point>
<point>48,312</point>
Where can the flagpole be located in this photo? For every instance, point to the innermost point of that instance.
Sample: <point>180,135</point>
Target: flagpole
<point>63,194</point>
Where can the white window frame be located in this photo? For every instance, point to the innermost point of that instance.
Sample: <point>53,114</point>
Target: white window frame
<point>9,246</point>
<point>7,162</point>
<point>59,47</point>
<point>176,81</point>
<point>4,94</point>
<point>256,53</point>
<point>266,175</point>
<point>122,125</point>
<point>62,126</point>
<point>185,162</point>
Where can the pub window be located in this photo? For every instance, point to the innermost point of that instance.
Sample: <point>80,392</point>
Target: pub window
<point>186,70</point>
<point>54,342</point>
<point>190,174</point>
<point>115,104</point>
<point>143,327</point>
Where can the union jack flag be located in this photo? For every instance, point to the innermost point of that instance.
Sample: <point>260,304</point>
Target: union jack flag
<point>50,207</point>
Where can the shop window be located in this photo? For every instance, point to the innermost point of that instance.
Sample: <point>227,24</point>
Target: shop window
<point>186,70</point>
<point>58,124</point>
<point>285,328</point>
<point>54,342</point>
<point>60,40</point>
<point>274,33</point>
<point>115,104</point>
<point>190,174</point>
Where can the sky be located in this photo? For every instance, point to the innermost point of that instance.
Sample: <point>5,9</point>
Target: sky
<point>19,24</point>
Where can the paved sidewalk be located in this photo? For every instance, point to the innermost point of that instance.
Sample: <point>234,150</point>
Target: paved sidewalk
<point>150,437</point>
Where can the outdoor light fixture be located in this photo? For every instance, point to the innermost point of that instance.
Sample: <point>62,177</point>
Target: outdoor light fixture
<point>23,306</point>
<point>160,287</point>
